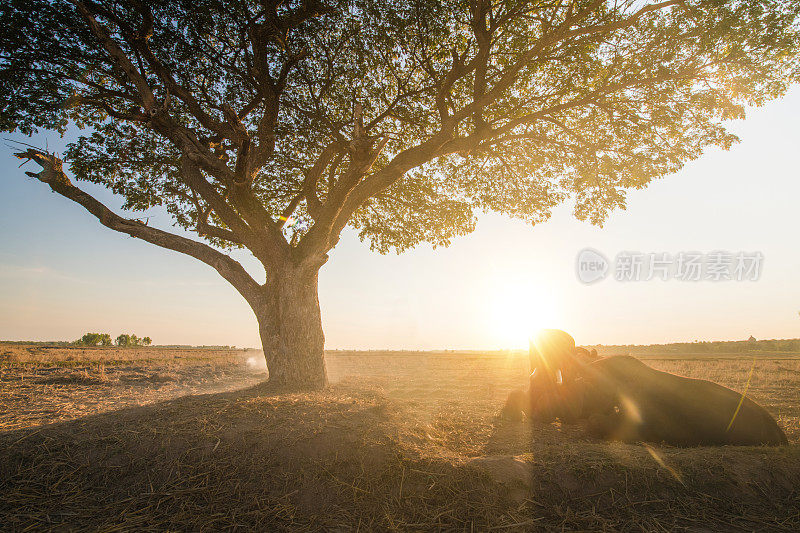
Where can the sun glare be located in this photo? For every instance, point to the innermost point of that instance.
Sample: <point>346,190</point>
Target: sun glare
<point>519,309</point>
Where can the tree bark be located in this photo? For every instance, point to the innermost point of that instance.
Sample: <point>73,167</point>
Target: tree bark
<point>290,324</point>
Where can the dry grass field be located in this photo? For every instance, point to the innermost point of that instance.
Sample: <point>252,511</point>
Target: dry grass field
<point>50,384</point>
<point>171,439</point>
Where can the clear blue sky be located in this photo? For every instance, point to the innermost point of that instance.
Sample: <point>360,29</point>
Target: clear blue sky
<point>62,274</point>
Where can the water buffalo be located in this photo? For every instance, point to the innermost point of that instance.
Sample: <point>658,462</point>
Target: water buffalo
<point>585,356</point>
<point>624,399</point>
<point>555,363</point>
<point>554,355</point>
<point>544,400</point>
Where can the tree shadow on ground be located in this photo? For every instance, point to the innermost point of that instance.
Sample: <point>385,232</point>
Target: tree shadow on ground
<point>257,458</point>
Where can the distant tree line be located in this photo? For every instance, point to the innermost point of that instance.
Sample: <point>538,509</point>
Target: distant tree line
<point>104,339</point>
<point>200,347</point>
<point>711,347</point>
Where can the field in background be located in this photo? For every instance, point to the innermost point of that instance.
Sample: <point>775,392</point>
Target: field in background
<point>47,354</point>
<point>402,440</point>
<point>45,384</point>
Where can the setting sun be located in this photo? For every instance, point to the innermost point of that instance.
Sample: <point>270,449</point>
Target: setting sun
<point>519,308</point>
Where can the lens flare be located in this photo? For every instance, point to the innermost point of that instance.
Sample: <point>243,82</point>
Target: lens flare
<point>741,400</point>
<point>660,461</point>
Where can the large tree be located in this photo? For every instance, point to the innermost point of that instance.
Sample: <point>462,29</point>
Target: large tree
<point>272,125</point>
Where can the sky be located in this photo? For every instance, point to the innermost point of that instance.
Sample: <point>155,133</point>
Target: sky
<point>63,274</point>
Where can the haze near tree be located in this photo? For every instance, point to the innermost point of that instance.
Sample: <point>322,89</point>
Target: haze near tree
<point>274,125</point>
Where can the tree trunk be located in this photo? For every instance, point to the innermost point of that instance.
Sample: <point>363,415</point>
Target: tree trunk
<point>290,324</point>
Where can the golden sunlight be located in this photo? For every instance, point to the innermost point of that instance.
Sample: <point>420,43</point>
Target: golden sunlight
<point>520,307</point>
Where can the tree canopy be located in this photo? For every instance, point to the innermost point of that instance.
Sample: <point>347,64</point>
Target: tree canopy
<point>130,339</point>
<point>94,339</point>
<point>294,119</point>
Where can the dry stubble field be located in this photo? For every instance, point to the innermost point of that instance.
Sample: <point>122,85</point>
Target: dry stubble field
<point>190,440</point>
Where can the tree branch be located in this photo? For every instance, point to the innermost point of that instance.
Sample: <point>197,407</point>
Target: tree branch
<point>53,175</point>
<point>480,9</point>
<point>312,177</point>
<point>208,230</point>
<point>343,202</point>
<point>113,49</point>
<point>560,33</point>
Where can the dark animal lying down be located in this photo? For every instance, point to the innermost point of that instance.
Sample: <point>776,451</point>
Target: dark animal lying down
<point>624,399</point>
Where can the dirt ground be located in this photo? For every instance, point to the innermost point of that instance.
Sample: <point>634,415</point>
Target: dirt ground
<point>400,441</point>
